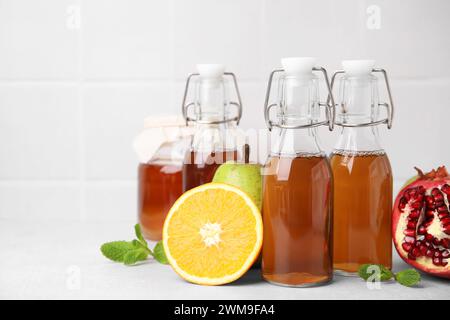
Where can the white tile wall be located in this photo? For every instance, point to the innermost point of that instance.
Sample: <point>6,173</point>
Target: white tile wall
<point>77,78</point>
<point>113,115</point>
<point>37,39</point>
<point>125,39</point>
<point>39,131</point>
<point>217,30</point>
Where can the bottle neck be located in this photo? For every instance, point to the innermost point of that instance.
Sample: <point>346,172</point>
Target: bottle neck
<point>359,140</point>
<point>295,142</point>
<point>358,100</point>
<point>211,100</point>
<point>298,99</point>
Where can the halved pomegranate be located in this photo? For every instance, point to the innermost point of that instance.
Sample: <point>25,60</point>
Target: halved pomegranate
<point>421,222</point>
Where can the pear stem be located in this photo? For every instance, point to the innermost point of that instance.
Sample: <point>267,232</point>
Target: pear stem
<point>246,153</point>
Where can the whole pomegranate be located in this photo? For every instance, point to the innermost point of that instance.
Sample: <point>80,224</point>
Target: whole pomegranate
<point>421,222</point>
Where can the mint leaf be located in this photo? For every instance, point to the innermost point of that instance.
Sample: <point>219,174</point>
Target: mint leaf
<point>408,278</point>
<point>159,254</point>
<point>116,250</point>
<point>136,255</point>
<point>139,245</point>
<point>138,232</point>
<point>386,274</point>
<point>365,271</point>
<point>130,252</point>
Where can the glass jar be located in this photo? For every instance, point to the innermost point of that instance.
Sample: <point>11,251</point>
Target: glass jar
<point>160,171</point>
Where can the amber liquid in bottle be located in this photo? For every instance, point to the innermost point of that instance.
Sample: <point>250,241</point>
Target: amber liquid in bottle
<point>362,210</point>
<point>297,216</point>
<point>159,186</point>
<point>199,168</point>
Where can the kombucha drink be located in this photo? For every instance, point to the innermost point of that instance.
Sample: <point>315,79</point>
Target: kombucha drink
<point>362,209</point>
<point>160,184</point>
<point>297,216</point>
<point>199,168</point>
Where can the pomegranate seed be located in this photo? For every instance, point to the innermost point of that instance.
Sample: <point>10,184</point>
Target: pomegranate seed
<point>411,257</point>
<point>445,221</point>
<point>410,240</point>
<point>414,214</point>
<point>436,241</point>
<point>416,205</point>
<point>427,223</point>
<point>445,254</point>
<point>409,232</point>
<point>445,243</point>
<point>429,200</point>
<point>402,203</point>
<point>429,213</point>
<point>439,203</point>
<point>443,215</point>
<point>406,246</point>
<point>421,189</point>
<point>446,189</point>
<point>442,209</point>
<point>407,195</point>
<point>429,237</point>
<point>415,252</point>
<point>444,263</point>
<point>423,250</point>
<point>411,224</point>
<point>437,254</point>
<point>437,261</point>
<point>429,253</point>
<point>421,230</point>
<point>446,229</point>
<point>436,193</point>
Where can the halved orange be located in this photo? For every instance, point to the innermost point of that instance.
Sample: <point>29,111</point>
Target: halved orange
<point>213,234</point>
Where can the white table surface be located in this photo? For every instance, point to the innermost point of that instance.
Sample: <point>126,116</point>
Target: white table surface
<point>61,260</point>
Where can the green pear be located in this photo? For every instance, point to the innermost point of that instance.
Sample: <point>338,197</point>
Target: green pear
<point>245,176</point>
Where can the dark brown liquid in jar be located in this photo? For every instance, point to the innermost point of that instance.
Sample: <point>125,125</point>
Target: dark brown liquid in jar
<point>160,185</point>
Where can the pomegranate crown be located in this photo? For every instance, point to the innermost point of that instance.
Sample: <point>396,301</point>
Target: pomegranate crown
<point>439,173</point>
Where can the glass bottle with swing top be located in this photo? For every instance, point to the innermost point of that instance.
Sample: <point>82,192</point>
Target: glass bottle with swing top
<point>361,169</point>
<point>298,186</point>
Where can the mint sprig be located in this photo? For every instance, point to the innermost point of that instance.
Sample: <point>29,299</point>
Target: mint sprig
<point>407,278</point>
<point>131,252</point>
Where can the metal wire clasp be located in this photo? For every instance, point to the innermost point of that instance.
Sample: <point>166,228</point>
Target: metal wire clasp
<point>185,107</point>
<point>330,105</point>
<point>389,106</point>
